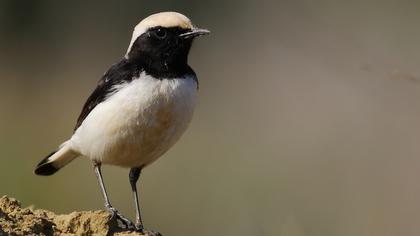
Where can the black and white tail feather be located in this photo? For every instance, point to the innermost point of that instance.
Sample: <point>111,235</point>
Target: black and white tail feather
<point>56,160</point>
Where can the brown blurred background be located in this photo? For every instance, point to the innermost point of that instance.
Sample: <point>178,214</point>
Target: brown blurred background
<point>307,124</point>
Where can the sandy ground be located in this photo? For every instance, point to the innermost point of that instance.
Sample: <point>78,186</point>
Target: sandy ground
<point>15,220</point>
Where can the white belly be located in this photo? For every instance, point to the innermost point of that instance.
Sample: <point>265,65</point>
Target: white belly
<point>138,123</point>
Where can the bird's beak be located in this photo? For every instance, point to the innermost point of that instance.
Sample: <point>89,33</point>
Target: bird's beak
<point>195,32</point>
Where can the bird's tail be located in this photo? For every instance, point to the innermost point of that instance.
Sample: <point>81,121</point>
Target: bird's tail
<point>56,160</point>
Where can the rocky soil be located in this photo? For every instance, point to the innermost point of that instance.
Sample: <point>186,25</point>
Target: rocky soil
<point>15,220</point>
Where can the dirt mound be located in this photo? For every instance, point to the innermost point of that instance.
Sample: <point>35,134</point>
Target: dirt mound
<point>16,221</point>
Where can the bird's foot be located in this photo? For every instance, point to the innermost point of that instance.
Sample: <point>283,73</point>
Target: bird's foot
<point>148,232</point>
<point>140,229</point>
<point>126,223</point>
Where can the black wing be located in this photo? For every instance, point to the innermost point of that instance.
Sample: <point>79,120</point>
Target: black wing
<point>120,72</point>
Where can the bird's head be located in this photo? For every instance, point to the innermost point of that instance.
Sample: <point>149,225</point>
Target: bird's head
<point>163,41</point>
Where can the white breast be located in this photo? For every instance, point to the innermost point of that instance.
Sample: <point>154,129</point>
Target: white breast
<point>138,123</point>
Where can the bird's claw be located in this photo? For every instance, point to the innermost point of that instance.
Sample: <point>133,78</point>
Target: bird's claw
<point>128,225</point>
<point>120,218</point>
<point>140,229</point>
<point>149,232</point>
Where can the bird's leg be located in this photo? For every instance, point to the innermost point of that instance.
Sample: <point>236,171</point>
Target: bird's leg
<point>134,177</point>
<point>112,210</point>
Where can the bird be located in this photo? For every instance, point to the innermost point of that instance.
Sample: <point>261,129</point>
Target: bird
<point>140,107</point>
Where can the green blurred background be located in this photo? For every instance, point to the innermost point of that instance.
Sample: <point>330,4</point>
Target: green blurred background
<point>307,123</point>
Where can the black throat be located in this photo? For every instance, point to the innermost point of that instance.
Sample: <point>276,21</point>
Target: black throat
<point>161,57</point>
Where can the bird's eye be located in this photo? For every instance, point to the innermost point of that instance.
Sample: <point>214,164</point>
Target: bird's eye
<point>160,33</point>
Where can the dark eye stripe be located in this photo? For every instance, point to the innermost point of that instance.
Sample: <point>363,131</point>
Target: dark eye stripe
<point>174,30</point>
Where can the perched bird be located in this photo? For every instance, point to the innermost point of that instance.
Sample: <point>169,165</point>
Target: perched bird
<point>140,107</point>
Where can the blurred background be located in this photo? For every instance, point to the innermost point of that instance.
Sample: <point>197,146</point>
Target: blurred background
<point>307,123</point>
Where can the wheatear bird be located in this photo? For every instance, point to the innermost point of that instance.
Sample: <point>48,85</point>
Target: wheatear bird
<point>140,107</point>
